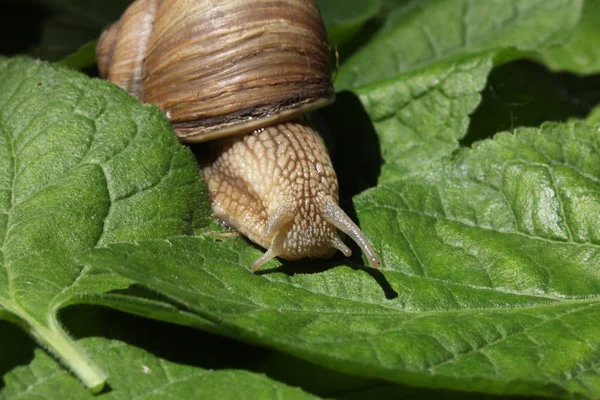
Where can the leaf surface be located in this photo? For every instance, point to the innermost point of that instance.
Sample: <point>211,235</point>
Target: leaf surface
<point>344,18</point>
<point>581,54</point>
<point>421,33</point>
<point>421,116</point>
<point>494,250</point>
<point>81,164</point>
<point>136,374</point>
<point>594,117</point>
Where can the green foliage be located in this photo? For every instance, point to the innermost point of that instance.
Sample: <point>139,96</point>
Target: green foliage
<point>83,57</point>
<point>582,54</point>
<point>82,164</point>
<point>137,374</point>
<point>494,250</point>
<point>490,279</point>
<point>594,117</point>
<point>426,32</point>
<point>344,18</point>
<point>421,116</point>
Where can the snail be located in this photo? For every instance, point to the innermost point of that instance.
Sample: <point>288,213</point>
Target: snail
<point>242,75</point>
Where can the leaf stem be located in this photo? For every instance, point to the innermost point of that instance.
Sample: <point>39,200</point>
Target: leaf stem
<point>70,354</point>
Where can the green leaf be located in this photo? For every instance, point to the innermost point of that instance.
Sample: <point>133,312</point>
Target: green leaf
<point>81,164</point>
<point>344,18</point>
<point>420,116</point>
<point>594,117</point>
<point>136,374</point>
<point>581,55</point>
<point>427,32</point>
<point>84,57</point>
<point>490,280</point>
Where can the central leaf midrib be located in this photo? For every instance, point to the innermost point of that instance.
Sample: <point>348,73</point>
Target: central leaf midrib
<point>557,302</point>
<point>11,189</point>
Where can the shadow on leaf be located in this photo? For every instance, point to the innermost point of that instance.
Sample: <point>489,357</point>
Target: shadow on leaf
<point>308,266</point>
<point>526,94</point>
<point>17,348</point>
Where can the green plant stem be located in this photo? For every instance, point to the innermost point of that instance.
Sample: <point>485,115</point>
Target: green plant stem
<point>58,342</point>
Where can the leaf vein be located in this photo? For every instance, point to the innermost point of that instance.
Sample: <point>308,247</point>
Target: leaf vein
<point>502,338</point>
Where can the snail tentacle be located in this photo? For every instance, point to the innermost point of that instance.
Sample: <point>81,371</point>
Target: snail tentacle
<point>341,246</point>
<point>338,218</point>
<point>272,252</point>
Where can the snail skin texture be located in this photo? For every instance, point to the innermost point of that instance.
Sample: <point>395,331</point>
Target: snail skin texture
<point>239,75</point>
<point>277,186</point>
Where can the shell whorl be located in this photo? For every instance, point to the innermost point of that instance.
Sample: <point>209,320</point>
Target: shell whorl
<point>122,47</point>
<point>236,66</point>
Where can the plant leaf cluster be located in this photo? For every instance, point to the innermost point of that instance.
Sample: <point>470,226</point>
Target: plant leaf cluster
<point>467,144</point>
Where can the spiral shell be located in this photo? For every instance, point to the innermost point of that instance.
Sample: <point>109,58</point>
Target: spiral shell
<point>219,68</point>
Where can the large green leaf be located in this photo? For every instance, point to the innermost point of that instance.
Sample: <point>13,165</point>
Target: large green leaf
<point>426,32</point>
<point>490,282</point>
<point>136,374</point>
<point>81,164</point>
<point>191,348</point>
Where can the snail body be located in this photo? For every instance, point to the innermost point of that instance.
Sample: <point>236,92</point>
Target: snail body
<point>240,76</point>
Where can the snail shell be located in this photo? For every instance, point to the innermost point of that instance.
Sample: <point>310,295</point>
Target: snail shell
<point>241,75</point>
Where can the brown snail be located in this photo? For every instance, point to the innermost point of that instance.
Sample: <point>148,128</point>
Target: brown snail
<point>242,74</point>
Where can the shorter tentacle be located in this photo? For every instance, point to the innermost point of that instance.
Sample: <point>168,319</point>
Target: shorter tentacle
<point>277,226</point>
<point>273,251</point>
<point>341,246</point>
